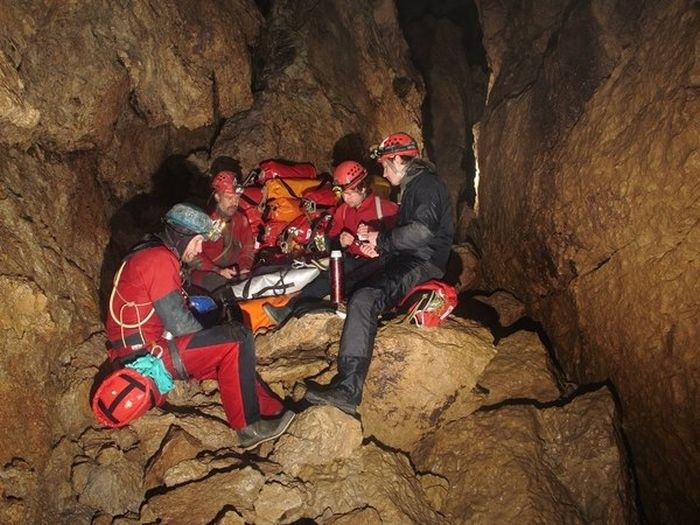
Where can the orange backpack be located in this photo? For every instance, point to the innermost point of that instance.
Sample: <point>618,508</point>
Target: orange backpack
<point>284,210</point>
<point>254,315</point>
<point>286,188</point>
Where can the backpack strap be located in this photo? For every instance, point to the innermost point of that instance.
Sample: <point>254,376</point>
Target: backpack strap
<point>288,187</point>
<point>378,206</point>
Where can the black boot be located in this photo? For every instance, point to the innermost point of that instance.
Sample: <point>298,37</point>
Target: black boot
<point>345,391</point>
<point>279,314</point>
<point>263,430</point>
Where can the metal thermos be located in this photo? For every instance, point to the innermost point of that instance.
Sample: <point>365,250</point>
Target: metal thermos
<point>336,276</point>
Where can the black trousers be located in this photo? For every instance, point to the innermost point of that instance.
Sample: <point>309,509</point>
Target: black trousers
<point>378,294</point>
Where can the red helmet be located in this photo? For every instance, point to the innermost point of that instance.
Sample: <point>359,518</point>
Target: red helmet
<point>225,182</point>
<point>396,144</point>
<point>123,396</point>
<point>349,174</point>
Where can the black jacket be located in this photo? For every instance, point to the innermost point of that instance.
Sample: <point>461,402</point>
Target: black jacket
<point>425,228</point>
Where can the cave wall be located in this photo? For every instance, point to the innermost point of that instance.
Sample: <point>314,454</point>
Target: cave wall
<point>588,209</point>
<point>317,102</point>
<point>101,108</point>
<point>93,99</point>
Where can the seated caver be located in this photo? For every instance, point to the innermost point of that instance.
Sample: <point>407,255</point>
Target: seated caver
<point>360,208</point>
<point>416,251</point>
<point>149,317</point>
<point>233,253</point>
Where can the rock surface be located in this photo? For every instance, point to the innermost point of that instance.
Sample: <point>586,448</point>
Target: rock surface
<point>588,209</point>
<point>322,106</point>
<point>99,106</point>
<point>520,461</point>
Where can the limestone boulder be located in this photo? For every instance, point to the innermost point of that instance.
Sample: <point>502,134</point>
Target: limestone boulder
<point>521,369</point>
<point>507,307</point>
<point>304,347</point>
<point>417,374</point>
<point>343,480</point>
<point>201,502</point>
<point>561,464</point>
<point>178,446</point>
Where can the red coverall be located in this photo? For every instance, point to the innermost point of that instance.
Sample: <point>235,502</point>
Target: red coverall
<point>149,299</point>
<point>235,247</point>
<point>348,219</point>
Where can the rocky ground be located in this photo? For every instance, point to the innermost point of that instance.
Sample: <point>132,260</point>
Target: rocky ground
<point>452,429</point>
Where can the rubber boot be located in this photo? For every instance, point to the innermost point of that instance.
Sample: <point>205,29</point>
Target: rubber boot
<point>263,430</point>
<point>345,391</point>
<point>279,314</point>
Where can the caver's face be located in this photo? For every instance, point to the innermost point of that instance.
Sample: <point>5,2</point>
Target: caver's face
<point>194,248</point>
<point>353,198</point>
<point>394,170</point>
<point>227,202</point>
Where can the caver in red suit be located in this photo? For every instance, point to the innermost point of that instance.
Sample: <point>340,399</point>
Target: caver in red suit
<point>233,253</point>
<point>359,206</point>
<point>148,312</point>
<point>378,213</point>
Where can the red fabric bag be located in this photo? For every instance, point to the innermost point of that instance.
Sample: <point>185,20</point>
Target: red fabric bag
<point>272,232</point>
<point>272,169</point>
<point>430,303</point>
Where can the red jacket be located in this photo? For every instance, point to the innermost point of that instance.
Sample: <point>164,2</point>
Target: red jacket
<point>368,212</point>
<point>148,298</point>
<point>236,246</point>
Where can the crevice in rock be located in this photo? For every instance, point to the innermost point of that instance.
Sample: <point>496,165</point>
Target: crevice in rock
<point>445,42</point>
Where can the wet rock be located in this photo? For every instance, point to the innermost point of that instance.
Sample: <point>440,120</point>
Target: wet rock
<point>523,464</point>
<point>415,376</point>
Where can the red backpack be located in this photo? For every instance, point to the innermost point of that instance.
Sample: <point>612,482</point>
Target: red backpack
<point>250,205</point>
<point>273,169</point>
<point>430,303</point>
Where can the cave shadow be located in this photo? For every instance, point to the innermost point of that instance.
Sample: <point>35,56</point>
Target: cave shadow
<point>176,180</point>
<point>352,146</point>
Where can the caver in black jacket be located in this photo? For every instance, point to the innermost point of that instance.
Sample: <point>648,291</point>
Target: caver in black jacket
<point>425,229</point>
<point>415,252</point>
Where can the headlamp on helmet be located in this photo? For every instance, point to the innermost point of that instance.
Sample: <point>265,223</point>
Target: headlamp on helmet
<point>395,144</point>
<point>226,182</point>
